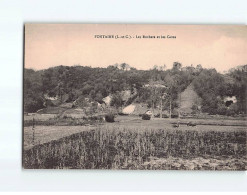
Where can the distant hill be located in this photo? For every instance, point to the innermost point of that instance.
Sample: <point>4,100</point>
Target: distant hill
<point>82,86</point>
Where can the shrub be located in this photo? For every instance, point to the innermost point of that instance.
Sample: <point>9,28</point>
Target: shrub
<point>222,110</point>
<point>109,118</point>
<point>33,104</point>
<point>146,117</point>
<point>230,112</point>
<point>93,118</point>
<point>122,114</point>
<point>65,117</point>
<point>174,115</point>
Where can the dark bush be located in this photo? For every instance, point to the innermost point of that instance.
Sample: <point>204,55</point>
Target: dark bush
<point>33,104</point>
<point>93,118</point>
<point>109,118</point>
<point>174,115</point>
<point>65,117</point>
<point>230,112</point>
<point>146,117</point>
<point>122,114</point>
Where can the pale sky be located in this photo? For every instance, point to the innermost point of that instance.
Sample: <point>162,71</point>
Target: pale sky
<point>216,46</point>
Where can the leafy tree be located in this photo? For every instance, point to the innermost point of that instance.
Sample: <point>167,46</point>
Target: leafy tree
<point>99,97</point>
<point>116,100</point>
<point>239,88</point>
<point>176,66</point>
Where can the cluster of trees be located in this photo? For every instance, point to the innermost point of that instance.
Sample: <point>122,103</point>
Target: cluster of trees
<point>33,96</point>
<point>78,82</point>
<point>212,87</point>
<point>96,83</point>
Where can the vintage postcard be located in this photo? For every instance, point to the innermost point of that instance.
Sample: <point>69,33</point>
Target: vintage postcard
<point>135,96</point>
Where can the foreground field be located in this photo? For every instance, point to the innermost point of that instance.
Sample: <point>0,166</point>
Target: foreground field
<point>118,147</point>
<point>44,134</point>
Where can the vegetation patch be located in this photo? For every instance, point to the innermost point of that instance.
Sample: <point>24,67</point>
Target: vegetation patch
<point>121,148</point>
<point>146,117</point>
<point>110,118</point>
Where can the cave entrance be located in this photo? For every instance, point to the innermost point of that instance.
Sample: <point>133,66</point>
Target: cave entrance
<point>228,103</point>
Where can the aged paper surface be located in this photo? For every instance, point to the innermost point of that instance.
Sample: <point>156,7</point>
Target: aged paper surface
<point>129,96</point>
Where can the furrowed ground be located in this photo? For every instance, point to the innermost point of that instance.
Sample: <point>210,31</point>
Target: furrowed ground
<point>47,131</point>
<point>131,143</point>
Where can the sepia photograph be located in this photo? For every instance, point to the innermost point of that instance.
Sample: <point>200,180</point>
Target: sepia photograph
<point>135,97</point>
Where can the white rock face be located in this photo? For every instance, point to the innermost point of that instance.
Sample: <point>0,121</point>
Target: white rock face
<point>129,109</point>
<point>50,98</point>
<point>233,99</point>
<point>107,100</point>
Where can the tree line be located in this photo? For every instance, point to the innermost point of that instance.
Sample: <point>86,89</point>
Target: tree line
<point>78,82</point>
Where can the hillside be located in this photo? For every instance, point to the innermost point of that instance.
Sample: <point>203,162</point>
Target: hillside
<point>188,99</point>
<point>85,88</point>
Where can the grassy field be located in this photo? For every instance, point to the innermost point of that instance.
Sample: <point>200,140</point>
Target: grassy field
<point>44,134</point>
<point>167,123</point>
<point>52,119</point>
<point>46,131</point>
<point>131,143</point>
